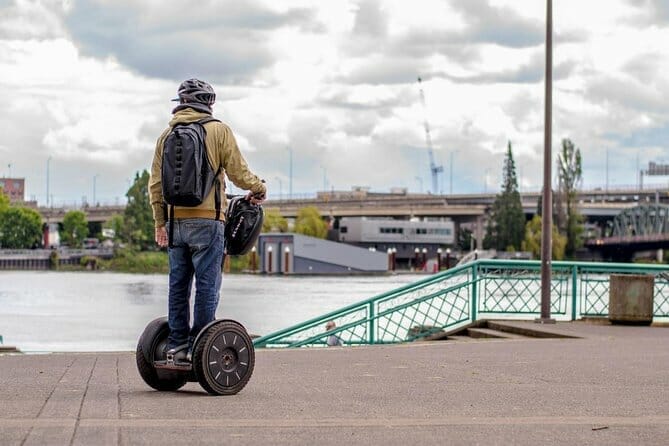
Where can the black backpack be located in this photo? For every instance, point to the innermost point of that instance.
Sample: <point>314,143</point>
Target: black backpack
<point>186,175</point>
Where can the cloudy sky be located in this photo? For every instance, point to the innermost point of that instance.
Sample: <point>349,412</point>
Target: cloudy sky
<point>87,83</point>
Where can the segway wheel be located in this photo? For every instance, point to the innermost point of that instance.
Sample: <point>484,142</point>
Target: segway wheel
<point>150,348</point>
<point>224,358</point>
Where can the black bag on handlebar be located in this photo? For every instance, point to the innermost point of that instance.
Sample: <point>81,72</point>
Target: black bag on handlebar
<point>243,223</point>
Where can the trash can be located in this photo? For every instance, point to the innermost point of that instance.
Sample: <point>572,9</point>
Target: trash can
<point>631,298</point>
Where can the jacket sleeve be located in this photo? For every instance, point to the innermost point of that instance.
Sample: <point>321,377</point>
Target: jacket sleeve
<point>155,185</point>
<point>235,165</point>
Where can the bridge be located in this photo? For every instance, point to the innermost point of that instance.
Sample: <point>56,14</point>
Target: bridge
<point>640,228</point>
<point>593,204</point>
<point>598,206</point>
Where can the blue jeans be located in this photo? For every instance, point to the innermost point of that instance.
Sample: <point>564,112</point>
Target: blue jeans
<point>197,251</point>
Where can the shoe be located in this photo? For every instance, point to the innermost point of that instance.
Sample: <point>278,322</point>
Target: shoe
<point>179,356</point>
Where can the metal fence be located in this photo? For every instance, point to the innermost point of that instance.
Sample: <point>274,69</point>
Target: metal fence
<point>484,289</point>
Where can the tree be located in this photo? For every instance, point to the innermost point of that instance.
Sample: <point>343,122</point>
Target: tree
<point>139,228</point>
<point>116,223</point>
<point>569,174</point>
<point>75,229</point>
<point>506,226</point>
<point>532,240</point>
<point>464,239</point>
<point>20,228</point>
<point>309,222</point>
<point>4,200</point>
<point>274,222</point>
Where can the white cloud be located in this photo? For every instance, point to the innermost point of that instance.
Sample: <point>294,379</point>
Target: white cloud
<point>89,83</point>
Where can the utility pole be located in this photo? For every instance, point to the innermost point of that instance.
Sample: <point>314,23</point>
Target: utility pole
<point>434,169</point>
<point>280,188</point>
<point>325,179</point>
<point>94,184</point>
<point>547,204</point>
<point>48,161</point>
<point>450,175</point>
<point>290,172</point>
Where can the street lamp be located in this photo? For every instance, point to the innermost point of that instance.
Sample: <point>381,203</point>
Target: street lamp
<point>94,182</point>
<point>253,259</point>
<point>286,260</point>
<point>393,257</point>
<point>269,259</point>
<point>448,258</point>
<point>325,179</point>
<point>290,172</point>
<point>280,188</point>
<point>48,161</point>
<point>439,251</point>
<point>424,258</point>
<point>547,199</point>
<point>450,176</point>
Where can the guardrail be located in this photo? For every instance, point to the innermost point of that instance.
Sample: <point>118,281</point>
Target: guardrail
<point>40,259</point>
<point>483,289</point>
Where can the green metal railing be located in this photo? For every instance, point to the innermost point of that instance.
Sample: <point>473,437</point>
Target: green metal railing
<point>483,289</point>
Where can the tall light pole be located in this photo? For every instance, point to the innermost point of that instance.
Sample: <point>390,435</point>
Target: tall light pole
<point>547,204</point>
<point>607,171</point>
<point>48,161</point>
<point>325,179</point>
<point>94,184</point>
<point>280,188</point>
<point>290,172</point>
<point>485,180</point>
<point>450,175</point>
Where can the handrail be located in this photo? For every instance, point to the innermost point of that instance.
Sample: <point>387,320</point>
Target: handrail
<point>465,293</point>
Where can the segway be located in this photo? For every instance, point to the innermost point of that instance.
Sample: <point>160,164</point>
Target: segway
<point>222,361</point>
<point>223,356</point>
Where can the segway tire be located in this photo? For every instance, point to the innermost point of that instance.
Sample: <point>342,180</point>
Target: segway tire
<point>224,358</point>
<point>150,348</point>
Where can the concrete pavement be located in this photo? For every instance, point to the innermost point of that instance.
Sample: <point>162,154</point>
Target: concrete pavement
<point>608,386</point>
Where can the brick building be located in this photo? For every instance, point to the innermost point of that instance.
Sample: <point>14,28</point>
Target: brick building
<point>14,188</point>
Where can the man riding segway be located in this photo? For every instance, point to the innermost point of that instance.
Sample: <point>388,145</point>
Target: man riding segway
<point>191,160</point>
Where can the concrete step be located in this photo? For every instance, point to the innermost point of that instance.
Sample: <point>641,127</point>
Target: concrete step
<point>9,349</point>
<point>459,338</point>
<point>535,331</point>
<point>479,333</point>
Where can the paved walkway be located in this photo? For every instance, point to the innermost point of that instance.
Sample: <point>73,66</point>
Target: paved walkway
<point>610,386</point>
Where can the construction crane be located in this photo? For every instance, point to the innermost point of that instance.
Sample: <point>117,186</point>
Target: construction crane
<point>434,169</point>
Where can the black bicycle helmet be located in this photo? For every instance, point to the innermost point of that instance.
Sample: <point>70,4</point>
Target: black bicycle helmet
<point>196,91</point>
<point>243,223</point>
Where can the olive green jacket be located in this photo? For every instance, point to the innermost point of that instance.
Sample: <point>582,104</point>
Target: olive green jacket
<point>222,151</point>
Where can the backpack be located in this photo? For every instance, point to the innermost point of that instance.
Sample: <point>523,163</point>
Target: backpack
<point>187,176</point>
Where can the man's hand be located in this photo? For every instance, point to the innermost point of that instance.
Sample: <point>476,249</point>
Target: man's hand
<point>255,198</point>
<point>161,236</point>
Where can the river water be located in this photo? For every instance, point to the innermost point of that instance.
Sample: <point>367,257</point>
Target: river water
<point>85,311</point>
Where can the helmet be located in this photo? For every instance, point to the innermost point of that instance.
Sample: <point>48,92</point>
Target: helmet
<point>243,222</point>
<point>196,91</point>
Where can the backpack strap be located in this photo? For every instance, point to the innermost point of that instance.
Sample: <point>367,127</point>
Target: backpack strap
<point>217,196</point>
<point>217,183</point>
<point>203,121</point>
<point>170,235</point>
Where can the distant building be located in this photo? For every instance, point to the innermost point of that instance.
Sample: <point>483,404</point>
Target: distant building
<point>288,253</point>
<point>411,240</point>
<point>14,188</point>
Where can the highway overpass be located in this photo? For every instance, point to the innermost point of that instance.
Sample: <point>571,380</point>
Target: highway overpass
<point>597,206</point>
